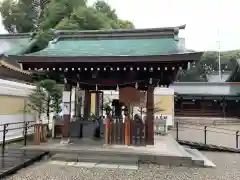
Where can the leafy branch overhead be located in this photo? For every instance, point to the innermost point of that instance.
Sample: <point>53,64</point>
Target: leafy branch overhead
<point>42,16</point>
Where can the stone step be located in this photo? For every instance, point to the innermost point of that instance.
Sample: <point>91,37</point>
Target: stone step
<point>199,159</point>
<point>123,158</point>
<point>105,159</point>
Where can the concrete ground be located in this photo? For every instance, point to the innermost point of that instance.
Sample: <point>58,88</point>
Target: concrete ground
<point>227,169</point>
<point>227,164</point>
<point>224,135</point>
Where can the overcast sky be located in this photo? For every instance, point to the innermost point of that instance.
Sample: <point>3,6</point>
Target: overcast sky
<point>202,17</point>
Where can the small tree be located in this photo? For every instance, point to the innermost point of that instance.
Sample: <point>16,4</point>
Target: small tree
<point>36,102</point>
<point>53,96</point>
<point>45,98</point>
<point>56,100</point>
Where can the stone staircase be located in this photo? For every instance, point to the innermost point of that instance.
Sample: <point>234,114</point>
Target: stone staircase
<point>189,157</point>
<point>96,158</point>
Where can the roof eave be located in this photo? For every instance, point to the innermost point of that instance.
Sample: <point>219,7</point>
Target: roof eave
<point>11,67</point>
<point>190,57</point>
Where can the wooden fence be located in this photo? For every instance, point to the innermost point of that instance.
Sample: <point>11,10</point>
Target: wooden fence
<point>129,133</point>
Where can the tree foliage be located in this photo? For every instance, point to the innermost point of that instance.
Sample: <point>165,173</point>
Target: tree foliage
<point>43,16</point>
<point>208,64</point>
<point>45,98</point>
<point>53,95</point>
<point>36,102</point>
<point>19,16</point>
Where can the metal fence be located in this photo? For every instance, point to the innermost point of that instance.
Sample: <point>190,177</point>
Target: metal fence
<point>210,134</point>
<point>15,131</point>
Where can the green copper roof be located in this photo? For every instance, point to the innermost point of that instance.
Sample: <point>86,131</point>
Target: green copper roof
<point>110,47</point>
<point>127,42</point>
<point>13,44</point>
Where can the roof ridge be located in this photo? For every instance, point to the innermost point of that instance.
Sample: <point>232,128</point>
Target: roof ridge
<point>200,83</point>
<point>14,35</point>
<point>173,30</point>
<point>116,36</point>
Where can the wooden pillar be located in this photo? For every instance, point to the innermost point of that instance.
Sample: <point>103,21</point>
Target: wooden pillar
<point>107,130</point>
<point>99,103</point>
<point>107,121</point>
<point>127,125</point>
<point>149,139</point>
<point>75,101</point>
<point>79,102</point>
<point>87,100</point>
<point>97,112</point>
<point>66,113</point>
<point>224,108</point>
<point>127,130</point>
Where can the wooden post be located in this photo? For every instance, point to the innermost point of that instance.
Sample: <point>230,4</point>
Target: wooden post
<point>127,132</point>
<point>127,125</point>
<point>66,113</point>
<point>150,116</point>
<point>224,108</point>
<point>107,133</point>
<point>37,134</point>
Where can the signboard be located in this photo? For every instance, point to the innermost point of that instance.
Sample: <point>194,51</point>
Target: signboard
<point>132,96</point>
<point>164,106</point>
<point>66,108</point>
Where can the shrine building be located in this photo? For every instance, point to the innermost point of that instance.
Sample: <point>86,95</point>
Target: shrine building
<point>132,61</point>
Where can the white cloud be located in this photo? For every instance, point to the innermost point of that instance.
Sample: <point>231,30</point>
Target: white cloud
<point>203,18</point>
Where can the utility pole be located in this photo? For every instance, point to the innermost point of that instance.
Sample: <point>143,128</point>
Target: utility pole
<point>219,56</point>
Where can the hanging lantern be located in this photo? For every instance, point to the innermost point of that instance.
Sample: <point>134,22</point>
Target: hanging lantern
<point>136,85</point>
<point>117,89</point>
<point>77,85</point>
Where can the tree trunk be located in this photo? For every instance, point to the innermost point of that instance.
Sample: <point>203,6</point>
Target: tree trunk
<point>48,109</point>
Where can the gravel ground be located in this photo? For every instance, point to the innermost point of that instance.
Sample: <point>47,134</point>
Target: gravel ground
<point>227,169</point>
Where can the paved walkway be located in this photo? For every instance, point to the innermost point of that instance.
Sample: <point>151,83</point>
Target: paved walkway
<point>227,169</point>
<point>224,135</point>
